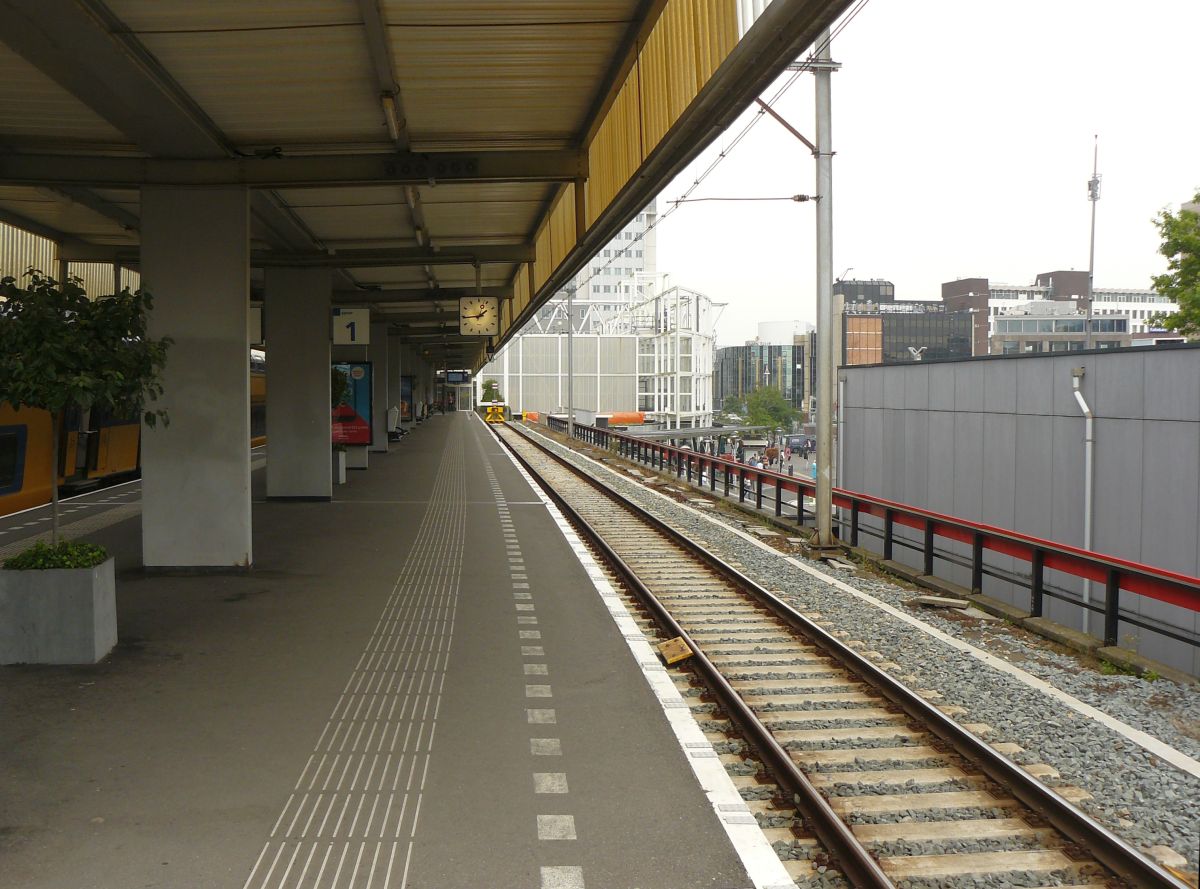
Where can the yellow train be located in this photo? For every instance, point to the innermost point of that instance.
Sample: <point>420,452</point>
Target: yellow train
<point>107,451</point>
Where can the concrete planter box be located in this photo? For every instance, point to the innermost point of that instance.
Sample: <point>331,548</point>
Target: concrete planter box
<point>339,467</point>
<point>58,616</point>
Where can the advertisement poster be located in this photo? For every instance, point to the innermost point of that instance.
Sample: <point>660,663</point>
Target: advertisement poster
<point>352,414</point>
<point>406,400</point>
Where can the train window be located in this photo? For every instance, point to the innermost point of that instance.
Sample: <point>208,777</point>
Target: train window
<point>12,458</point>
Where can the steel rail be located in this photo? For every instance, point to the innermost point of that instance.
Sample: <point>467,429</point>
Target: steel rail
<point>852,858</point>
<point>1097,840</point>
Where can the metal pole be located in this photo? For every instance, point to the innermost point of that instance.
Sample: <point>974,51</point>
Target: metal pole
<point>1093,196</point>
<point>571,361</point>
<point>825,339</point>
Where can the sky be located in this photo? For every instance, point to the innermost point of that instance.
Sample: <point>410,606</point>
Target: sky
<point>963,135</point>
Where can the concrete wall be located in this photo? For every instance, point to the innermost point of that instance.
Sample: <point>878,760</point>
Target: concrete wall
<point>1000,440</point>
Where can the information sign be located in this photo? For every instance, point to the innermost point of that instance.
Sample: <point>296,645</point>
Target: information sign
<point>407,414</point>
<point>351,327</point>
<point>351,417</point>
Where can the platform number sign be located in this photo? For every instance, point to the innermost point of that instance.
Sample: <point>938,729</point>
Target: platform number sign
<point>351,327</point>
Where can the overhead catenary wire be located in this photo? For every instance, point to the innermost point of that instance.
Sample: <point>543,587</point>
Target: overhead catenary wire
<point>799,198</point>
<point>801,68</point>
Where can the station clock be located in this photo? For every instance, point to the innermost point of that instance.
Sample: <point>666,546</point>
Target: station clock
<point>479,315</point>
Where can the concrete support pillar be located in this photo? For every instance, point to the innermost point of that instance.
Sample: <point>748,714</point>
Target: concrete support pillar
<point>298,417</point>
<point>381,399</point>
<point>196,471</point>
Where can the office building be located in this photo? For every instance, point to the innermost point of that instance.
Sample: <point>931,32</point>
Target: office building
<point>1054,326</point>
<point>987,301</point>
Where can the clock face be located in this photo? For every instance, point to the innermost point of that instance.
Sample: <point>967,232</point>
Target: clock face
<point>479,315</point>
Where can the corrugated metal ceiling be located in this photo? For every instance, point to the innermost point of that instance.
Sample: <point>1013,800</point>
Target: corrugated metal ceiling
<point>230,77</point>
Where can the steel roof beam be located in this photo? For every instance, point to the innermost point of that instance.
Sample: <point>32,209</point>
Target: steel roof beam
<point>399,256</point>
<point>316,171</point>
<point>380,52</point>
<point>95,203</point>
<point>313,259</point>
<point>416,294</point>
<point>453,337</point>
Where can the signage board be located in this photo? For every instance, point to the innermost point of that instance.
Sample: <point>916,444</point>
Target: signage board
<point>351,417</point>
<point>351,327</point>
<point>407,414</point>
<point>458,377</point>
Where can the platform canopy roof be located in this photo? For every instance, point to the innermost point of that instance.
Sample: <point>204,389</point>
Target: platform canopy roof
<point>424,149</point>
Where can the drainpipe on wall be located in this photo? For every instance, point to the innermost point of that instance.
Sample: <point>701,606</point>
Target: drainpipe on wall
<point>838,479</point>
<point>1089,440</point>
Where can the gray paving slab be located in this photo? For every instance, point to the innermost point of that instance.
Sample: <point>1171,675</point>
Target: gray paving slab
<point>171,763</point>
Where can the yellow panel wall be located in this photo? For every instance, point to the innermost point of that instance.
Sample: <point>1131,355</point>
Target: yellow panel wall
<point>689,42</point>
<point>616,152</point>
<point>542,266</point>
<point>21,250</point>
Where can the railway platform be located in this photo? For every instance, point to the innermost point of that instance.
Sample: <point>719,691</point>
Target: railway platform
<point>417,686</point>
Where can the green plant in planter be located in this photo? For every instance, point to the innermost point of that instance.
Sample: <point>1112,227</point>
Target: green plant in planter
<point>61,350</point>
<point>68,554</point>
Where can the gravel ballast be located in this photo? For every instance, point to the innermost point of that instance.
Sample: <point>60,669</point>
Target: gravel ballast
<point>1145,800</point>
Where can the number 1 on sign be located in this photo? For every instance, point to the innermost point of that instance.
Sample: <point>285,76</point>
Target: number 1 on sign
<point>350,327</point>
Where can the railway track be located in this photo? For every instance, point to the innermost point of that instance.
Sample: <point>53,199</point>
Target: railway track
<point>846,769</point>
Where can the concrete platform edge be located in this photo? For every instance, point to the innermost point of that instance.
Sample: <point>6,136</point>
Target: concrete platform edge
<point>750,844</point>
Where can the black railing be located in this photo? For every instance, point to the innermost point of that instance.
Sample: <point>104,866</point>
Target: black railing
<point>1113,574</point>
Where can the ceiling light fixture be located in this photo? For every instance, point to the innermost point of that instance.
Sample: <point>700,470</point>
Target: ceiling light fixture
<point>389,113</point>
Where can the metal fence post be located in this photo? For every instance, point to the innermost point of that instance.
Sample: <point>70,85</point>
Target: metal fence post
<point>725,476</point>
<point>758,480</point>
<point>1112,606</point>
<point>741,485</point>
<point>778,497</point>
<point>928,564</point>
<point>887,534</point>
<point>977,563</point>
<point>854,523</point>
<point>1035,584</point>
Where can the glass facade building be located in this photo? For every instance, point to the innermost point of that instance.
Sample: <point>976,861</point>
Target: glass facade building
<point>739,370</point>
<point>899,332</point>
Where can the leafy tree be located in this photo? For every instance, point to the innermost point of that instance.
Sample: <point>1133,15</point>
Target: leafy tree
<point>767,407</point>
<point>60,350</point>
<point>1181,283</point>
<point>732,405</point>
<point>491,390</point>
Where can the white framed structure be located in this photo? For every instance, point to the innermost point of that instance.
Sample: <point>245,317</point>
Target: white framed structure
<point>675,336</point>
